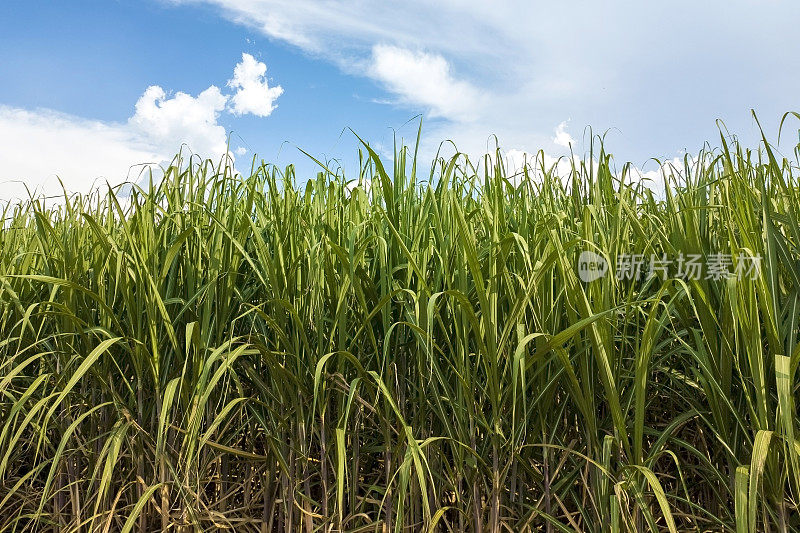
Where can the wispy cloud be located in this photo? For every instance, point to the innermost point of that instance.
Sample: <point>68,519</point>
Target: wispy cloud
<point>427,80</point>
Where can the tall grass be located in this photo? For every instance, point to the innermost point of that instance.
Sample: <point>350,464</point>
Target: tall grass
<point>416,353</point>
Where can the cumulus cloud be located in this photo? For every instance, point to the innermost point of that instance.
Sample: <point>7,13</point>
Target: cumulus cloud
<point>253,93</point>
<point>182,118</point>
<point>673,171</point>
<point>517,162</point>
<point>424,79</point>
<point>42,148</point>
<point>562,138</point>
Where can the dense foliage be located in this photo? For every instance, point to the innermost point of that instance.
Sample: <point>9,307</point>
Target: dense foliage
<point>413,353</point>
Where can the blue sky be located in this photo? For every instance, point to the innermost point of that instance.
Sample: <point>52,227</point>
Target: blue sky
<point>654,76</point>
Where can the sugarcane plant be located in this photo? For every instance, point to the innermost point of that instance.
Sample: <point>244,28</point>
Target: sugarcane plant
<point>405,349</point>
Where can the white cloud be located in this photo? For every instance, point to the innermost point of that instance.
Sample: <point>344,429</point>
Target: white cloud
<point>40,147</point>
<point>168,122</point>
<point>424,79</point>
<point>339,29</point>
<point>537,63</point>
<point>253,93</point>
<point>518,161</point>
<point>562,138</point>
<point>44,148</point>
<point>672,171</point>
<point>241,150</point>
